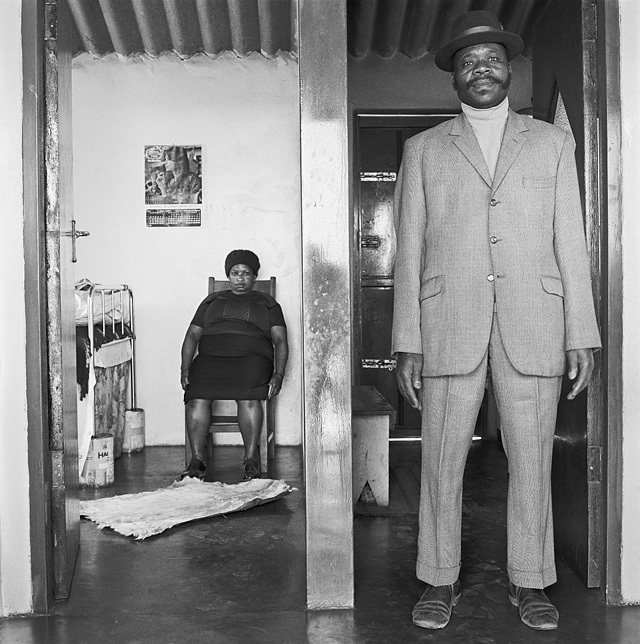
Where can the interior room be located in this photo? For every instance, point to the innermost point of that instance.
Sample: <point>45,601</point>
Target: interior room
<point>144,77</point>
<point>242,111</point>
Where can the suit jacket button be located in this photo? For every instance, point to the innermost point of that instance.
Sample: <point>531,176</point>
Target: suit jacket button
<point>490,278</point>
<point>493,239</point>
<point>493,202</point>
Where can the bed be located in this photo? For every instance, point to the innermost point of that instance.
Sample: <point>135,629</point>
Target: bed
<point>105,361</point>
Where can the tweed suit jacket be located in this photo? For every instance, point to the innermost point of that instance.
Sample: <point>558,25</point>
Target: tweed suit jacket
<point>465,242</point>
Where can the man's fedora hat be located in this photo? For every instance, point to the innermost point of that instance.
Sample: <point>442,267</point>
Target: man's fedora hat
<point>474,28</point>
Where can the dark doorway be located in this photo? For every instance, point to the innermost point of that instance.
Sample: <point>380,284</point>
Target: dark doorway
<point>379,144</point>
<point>567,91</point>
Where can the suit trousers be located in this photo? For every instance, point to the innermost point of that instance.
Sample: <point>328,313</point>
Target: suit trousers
<point>527,406</point>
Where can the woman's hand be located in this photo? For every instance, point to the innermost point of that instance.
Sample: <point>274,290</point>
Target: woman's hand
<point>189,346</point>
<point>275,385</point>
<point>281,347</point>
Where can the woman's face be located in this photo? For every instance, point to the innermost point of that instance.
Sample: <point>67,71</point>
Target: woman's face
<point>241,279</point>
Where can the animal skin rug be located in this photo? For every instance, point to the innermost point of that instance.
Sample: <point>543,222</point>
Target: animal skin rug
<point>146,514</point>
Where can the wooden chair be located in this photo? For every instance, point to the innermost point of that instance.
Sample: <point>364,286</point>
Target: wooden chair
<point>224,412</point>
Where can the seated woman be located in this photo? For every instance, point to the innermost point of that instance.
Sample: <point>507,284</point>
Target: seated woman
<point>235,333</point>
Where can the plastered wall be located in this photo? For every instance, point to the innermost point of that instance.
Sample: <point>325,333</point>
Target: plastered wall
<point>245,115</point>
<point>15,572</point>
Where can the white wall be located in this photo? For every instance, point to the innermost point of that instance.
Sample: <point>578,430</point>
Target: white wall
<point>245,114</point>
<point>629,57</point>
<point>15,571</point>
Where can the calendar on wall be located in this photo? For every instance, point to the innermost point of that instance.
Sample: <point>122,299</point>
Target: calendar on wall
<point>173,217</point>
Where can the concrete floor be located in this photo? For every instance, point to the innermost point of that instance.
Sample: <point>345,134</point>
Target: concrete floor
<point>241,578</point>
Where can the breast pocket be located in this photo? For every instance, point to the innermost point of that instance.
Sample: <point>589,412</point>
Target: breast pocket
<point>538,183</point>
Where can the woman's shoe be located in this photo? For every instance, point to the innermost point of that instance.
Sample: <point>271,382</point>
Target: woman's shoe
<point>251,468</point>
<point>196,469</point>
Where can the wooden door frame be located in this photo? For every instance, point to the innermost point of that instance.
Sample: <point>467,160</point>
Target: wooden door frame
<point>33,129</point>
<point>608,58</point>
<point>326,302</point>
<point>58,210</point>
<point>42,205</point>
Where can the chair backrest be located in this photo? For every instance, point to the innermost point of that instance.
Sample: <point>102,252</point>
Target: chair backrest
<point>264,286</point>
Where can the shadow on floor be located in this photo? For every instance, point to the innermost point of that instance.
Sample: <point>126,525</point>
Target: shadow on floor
<point>240,578</point>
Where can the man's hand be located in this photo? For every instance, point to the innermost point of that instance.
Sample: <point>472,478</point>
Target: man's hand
<point>581,365</point>
<point>409,377</point>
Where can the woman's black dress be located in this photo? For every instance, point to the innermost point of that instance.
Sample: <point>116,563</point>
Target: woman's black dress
<point>235,352</point>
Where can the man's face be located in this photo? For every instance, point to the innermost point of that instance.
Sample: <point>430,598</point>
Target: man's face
<point>481,75</point>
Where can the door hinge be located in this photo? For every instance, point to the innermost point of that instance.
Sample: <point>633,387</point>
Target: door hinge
<point>51,21</point>
<point>594,464</point>
<point>370,241</point>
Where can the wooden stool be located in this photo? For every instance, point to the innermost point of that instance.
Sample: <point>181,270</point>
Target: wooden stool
<point>372,416</point>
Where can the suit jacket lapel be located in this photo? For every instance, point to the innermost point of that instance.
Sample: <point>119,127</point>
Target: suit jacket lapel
<point>512,141</point>
<point>465,140</point>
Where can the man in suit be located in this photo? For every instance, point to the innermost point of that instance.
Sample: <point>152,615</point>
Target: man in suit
<point>491,271</point>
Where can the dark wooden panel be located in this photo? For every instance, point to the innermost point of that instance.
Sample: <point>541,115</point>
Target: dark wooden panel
<point>379,144</point>
<point>367,401</point>
<point>608,51</point>
<point>565,66</point>
<point>377,317</point>
<point>63,429</point>
<point>35,285</point>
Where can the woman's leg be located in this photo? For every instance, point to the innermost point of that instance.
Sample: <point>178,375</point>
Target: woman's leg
<point>198,421</point>
<point>250,422</point>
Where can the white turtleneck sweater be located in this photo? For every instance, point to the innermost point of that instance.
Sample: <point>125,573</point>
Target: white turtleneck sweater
<point>488,126</point>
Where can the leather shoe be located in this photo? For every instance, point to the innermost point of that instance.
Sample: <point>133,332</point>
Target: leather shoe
<point>536,611</point>
<point>433,609</point>
<point>197,469</point>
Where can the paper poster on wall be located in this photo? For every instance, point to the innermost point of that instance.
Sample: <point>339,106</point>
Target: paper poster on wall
<point>172,174</point>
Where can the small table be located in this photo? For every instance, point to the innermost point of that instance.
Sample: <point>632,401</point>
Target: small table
<point>372,416</point>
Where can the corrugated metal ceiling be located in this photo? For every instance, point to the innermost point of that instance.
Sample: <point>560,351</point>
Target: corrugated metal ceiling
<point>188,27</point>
